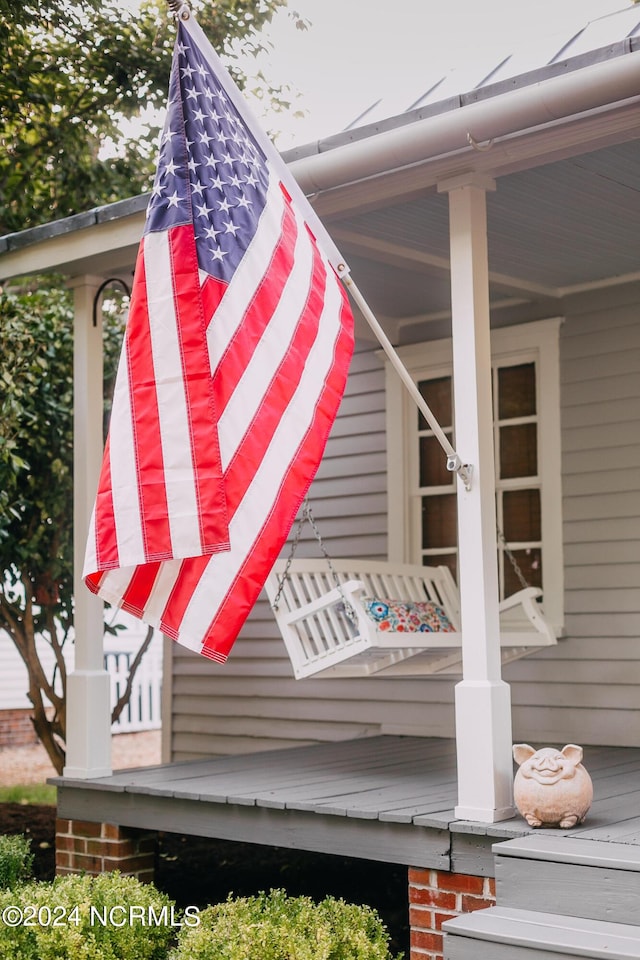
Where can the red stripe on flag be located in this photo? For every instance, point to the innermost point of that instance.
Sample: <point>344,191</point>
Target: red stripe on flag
<point>105,527</point>
<point>246,587</point>
<point>146,423</point>
<point>139,588</point>
<point>212,291</point>
<point>200,405</point>
<point>191,570</point>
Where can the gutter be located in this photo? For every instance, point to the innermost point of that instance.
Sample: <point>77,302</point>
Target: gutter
<point>558,98</point>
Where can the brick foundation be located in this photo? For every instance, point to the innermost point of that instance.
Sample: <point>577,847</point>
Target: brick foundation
<point>16,729</point>
<point>94,848</point>
<point>436,896</point>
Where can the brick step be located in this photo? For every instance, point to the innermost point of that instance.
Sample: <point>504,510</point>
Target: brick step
<point>569,877</point>
<point>504,933</point>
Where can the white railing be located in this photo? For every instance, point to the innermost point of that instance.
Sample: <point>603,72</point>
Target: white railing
<point>142,712</point>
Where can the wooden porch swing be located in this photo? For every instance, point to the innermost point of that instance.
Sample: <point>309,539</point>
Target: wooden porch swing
<point>357,618</point>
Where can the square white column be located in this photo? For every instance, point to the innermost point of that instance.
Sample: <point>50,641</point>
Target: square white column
<point>88,686</point>
<point>482,699</point>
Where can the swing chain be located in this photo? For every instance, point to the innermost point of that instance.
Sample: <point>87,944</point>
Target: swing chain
<point>307,516</point>
<point>514,563</point>
<point>292,553</point>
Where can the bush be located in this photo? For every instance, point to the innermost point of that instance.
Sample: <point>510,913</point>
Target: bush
<point>16,860</point>
<point>276,927</point>
<point>87,918</point>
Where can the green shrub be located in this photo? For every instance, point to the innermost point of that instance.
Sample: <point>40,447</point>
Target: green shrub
<point>274,926</point>
<point>16,860</point>
<point>87,918</point>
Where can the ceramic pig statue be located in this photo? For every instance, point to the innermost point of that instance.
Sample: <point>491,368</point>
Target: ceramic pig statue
<point>551,787</point>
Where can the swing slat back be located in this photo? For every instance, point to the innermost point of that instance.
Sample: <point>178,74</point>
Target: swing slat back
<point>327,630</point>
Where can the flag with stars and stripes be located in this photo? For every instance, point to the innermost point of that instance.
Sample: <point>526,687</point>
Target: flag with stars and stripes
<point>233,365</point>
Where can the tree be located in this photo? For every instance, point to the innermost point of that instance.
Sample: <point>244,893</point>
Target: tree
<point>70,75</point>
<point>36,495</point>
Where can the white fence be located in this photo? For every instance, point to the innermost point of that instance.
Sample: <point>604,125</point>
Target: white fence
<point>142,712</point>
<point>143,709</point>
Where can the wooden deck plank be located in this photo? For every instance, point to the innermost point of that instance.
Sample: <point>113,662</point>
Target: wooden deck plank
<point>271,781</point>
<point>368,748</point>
<point>625,830</point>
<point>505,932</point>
<point>259,780</point>
<point>422,803</point>
<point>576,850</point>
<point>419,796</point>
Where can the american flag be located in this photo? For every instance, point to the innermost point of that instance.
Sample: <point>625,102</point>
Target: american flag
<point>233,365</point>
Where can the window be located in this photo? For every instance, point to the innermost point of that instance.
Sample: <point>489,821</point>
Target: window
<point>422,501</point>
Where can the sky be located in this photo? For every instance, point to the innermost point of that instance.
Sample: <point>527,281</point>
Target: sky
<point>355,51</point>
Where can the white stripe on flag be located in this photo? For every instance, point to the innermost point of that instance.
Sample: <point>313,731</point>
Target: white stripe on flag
<point>174,436</point>
<point>124,474</point>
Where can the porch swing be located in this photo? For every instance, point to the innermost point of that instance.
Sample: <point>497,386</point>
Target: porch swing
<point>358,618</point>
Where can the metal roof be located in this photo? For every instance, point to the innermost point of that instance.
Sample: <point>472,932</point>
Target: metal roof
<point>482,70</point>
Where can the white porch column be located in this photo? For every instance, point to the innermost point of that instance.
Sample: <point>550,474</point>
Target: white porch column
<point>483,702</point>
<point>88,690</point>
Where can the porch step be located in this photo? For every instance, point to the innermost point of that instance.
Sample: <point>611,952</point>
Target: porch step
<point>504,933</point>
<point>569,877</point>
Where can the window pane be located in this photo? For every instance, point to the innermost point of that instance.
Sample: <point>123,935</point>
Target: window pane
<point>530,563</point>
<point>442,560</point>
<point>519,451</point>
<point>439,521</point>
<point>437,394</point>
<point>433,464</point>
<point>517,391</point>
<point>521,515</point>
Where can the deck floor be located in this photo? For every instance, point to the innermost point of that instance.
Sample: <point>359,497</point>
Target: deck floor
<point>379,797</point>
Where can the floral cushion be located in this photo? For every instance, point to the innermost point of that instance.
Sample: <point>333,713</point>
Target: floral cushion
<point>404,617</point>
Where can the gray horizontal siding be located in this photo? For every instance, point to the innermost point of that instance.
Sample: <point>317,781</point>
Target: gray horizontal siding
<point>586,689</point>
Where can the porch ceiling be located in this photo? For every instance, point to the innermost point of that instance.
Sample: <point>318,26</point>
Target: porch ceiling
<point>553,230</point>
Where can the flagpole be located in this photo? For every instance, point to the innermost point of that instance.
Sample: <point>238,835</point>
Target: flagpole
<point>454,462</point>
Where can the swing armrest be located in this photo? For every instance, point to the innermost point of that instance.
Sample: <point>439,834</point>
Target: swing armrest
<point>532,611</point>
<point>521,597</point>
<point>346,591</point>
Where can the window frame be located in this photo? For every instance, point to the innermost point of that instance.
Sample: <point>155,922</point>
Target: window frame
<point>538,341</point>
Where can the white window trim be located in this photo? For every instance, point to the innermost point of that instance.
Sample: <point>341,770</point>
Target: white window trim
<point>540,340</point>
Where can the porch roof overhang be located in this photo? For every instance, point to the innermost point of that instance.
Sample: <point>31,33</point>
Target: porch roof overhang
<point>376,189</point>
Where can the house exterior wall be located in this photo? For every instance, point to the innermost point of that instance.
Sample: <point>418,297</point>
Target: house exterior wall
<point>584,690</point>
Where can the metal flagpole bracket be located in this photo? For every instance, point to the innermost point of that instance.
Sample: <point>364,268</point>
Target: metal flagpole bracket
<point>464,470</point>
<point>179,9</point>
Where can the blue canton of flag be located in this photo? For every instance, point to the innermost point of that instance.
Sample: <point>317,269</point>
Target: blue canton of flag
<point>210,170</point>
